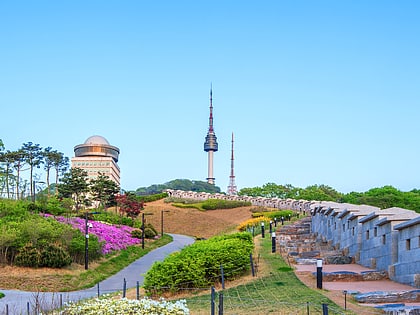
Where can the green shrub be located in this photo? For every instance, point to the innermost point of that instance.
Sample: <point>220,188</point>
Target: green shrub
<point>54,206</point>
<point>180,200</point>
<point>28,256</point>
<point>150,226</point>
<point>274,214</point>
<point>213,204</point>
<point>54,256</point>
<point>149,233</point>
<point>76,248</point>
<point>136,233</point>
<point>198,265</point>
<point>113,218</point>
<point>154,197</point>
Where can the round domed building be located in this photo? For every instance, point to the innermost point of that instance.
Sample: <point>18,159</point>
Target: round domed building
<point>96,156</point>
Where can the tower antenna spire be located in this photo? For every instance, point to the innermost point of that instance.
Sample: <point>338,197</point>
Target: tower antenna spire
<point>232,190</point>
<point>210,144</point>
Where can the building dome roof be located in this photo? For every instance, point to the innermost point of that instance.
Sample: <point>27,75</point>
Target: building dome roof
<point>96,140</point>
<point>96,146</point>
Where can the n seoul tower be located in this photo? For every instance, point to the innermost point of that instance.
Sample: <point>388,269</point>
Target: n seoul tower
<point>210,145</point>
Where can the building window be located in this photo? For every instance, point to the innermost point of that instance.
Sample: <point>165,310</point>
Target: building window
<point>375,232</point>
<point>352,231</point>
<point>335,227</point>
<point>344,227</point>
<point>383,239</point>
<point>367,234</point>
<point>407,244</point>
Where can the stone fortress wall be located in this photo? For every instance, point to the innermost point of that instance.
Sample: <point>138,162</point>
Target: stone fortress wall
<point>382,239</point>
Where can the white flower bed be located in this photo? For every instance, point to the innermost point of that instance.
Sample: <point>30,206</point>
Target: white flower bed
<point>124,306</point>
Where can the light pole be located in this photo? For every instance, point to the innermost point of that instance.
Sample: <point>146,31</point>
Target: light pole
<point>87,226</point>
<point>161,221</point>
<point>86,242</point>
<point>319,273</point>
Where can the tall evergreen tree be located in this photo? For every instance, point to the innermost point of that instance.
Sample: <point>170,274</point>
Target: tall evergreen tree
<point>74,184</point>
<point>103,190</point>
<point>61,165</point>
<point>33,157</point>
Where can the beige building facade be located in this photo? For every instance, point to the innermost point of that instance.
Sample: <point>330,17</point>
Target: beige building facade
<point>96,156</point>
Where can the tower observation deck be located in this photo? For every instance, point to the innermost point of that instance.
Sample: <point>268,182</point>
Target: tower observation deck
<point>210,145</point>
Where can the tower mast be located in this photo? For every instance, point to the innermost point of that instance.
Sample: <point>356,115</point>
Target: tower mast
<point>232,190</point>
<point>210,145</point>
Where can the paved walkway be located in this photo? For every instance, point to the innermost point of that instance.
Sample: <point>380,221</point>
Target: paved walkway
<point>18,302</point>
<point>361,286</point>
<point>354,286</point>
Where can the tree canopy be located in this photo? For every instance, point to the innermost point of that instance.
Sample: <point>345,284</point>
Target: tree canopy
<point>181,184</point>
<point>382,197</point>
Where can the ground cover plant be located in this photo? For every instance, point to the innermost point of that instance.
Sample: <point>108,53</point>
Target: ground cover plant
<point>108,305</point>
<point>112,237</point>
<point>199,265</point>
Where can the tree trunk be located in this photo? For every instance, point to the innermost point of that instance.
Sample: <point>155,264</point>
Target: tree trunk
<point>48,183</point>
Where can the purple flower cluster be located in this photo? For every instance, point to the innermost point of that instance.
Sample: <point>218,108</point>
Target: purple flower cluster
<point>114,237</point>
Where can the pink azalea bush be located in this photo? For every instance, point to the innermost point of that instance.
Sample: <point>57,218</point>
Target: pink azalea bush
<point>113,237</point>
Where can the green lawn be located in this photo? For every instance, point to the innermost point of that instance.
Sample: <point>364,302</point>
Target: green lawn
<point>275,291</point>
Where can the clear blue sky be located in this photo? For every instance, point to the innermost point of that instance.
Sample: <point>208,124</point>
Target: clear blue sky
<point>316,92</point>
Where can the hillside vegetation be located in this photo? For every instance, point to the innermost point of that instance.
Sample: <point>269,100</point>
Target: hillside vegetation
<point>383,197</point>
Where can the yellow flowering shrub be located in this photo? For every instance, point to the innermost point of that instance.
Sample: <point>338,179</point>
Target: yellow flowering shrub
<point>252,222</point>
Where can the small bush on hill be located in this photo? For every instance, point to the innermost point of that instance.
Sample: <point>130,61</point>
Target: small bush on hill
<point>29,256</point>
<point>76,247</point>
<point>180,200</point>
<point>213,204</point>
<point>137,233</point>
<point>154,197</point>
<point>149,233</point>
<point>54,256</point>
<point>50,255</point>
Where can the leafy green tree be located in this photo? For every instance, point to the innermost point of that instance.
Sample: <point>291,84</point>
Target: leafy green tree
<point>74,184</point>
<point>386,197</point>
<point>103,190</point>
<point>179,184</point>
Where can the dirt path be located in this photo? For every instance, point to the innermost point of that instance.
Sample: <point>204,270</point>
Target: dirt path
<point>192,222</point>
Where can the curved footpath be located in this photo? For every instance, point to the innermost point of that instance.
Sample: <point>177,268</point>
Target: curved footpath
<point>17,301</point>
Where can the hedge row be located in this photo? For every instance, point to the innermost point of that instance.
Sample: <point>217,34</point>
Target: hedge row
<point>274,214</point>
<point>213,204</point>
<point>198,265</point>
<point>154,197</point>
